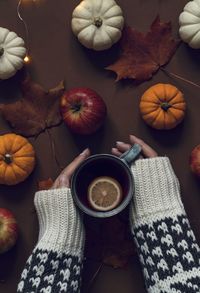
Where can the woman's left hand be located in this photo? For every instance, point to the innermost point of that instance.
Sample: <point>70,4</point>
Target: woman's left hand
<point>121,147</point>
<point>64,178</point>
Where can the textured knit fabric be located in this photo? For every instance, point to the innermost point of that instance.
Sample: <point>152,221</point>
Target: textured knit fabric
<point>56,261</point>
<point>168,251</point>
<point>167,247</point>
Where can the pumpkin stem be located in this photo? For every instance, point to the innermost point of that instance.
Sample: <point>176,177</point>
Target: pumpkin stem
<point>8,159</point>
<point>1,51</point>
<point>98,22</point>
<point>165,106</point>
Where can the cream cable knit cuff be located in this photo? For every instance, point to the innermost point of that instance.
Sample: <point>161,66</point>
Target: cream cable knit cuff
<point>157,189</point>
<point>61,228</point>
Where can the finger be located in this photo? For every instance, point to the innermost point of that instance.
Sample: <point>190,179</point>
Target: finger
<point>56,184</point>
<point>146,149</point>
<point>61,181</point>
<point>122,147</point>
<point>69,170</point>
<point>116,152</point>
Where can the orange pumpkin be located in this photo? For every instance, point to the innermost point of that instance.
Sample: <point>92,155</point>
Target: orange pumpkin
<point>163,106</point>
<point>17,159</point>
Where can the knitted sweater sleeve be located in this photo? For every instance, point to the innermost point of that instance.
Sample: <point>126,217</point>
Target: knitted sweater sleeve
<point>167,248</point>
<point>56,261</point>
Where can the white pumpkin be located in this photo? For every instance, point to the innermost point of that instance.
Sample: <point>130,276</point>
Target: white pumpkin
<point>98,24</point>
<point>189,21</point>
<point>12,53</point>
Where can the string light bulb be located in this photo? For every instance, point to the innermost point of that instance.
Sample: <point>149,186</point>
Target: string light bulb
<point>27,59</point>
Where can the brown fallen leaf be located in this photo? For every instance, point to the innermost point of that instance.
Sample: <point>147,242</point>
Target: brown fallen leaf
<point>119,257</point>
<point>118,243</point>
<point>143,54</point>
<point>109,241</point>
<point>36,111</point>
<point>45,184</point>
<point>116,261</point>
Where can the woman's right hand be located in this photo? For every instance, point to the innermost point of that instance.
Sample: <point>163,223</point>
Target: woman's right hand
<point>64,178</point>
<point>121,147</point>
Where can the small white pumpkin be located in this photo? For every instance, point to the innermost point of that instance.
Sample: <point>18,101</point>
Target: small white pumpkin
<point>98,24</point>
<point>189,21</point>
<point>12,53</point>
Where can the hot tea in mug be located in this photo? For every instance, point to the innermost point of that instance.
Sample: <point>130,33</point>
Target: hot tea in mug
<point>103,185</point>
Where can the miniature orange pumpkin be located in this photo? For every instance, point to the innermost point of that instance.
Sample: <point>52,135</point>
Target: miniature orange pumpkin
<point>17,159</point>
<point>163,106</point>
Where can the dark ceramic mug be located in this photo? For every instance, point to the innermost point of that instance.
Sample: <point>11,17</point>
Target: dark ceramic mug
<point>104,165</point>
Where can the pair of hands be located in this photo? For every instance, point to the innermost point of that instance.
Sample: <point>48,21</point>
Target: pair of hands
<point>64,178</point>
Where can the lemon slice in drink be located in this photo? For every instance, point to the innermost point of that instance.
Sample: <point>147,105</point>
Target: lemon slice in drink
<point>104,194</point>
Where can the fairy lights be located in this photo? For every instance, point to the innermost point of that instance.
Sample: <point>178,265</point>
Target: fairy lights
<point>27,58</point>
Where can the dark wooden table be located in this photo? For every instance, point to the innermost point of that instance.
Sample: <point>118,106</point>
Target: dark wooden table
<point>57,55</point>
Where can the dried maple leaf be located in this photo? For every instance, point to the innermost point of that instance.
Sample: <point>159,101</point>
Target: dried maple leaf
<point>116,261</point>
<point>143,54</point>
<point>45,184</point>
<point>118,243</point>
<point>35,111</point>
<point>120,257</point>
<point>109,242</point>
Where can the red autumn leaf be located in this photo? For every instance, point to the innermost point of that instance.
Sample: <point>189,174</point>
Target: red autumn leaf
<point>36,111</point>
<point>143,54</point>
<point>45,184</point>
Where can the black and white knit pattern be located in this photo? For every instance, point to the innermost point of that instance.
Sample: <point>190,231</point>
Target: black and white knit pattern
<point>48,272</point>
<point>167,247</point>
<point>169,255</point>
<point>55,264</point>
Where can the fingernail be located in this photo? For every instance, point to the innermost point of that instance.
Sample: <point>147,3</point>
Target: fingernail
<point>119,142</point>
<point>85,152</point>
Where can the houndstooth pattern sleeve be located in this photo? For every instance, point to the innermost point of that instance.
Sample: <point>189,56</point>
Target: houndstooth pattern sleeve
<point>56,262</point>
<point>167,247</point>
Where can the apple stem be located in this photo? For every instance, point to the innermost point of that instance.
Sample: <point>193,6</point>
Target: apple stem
<point>76,108</point>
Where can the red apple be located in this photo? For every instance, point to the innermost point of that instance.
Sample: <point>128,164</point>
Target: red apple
<point>83,110</point>
<point>8,230</point>
<point>195,160</point>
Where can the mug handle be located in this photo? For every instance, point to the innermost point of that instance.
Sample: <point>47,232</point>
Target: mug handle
<point>129,156</point>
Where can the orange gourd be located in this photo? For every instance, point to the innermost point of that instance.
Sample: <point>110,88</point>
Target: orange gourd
<point>17,159</point>
<point>163,106</point>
